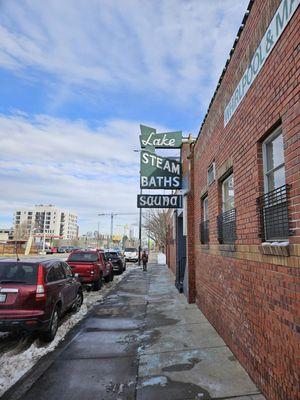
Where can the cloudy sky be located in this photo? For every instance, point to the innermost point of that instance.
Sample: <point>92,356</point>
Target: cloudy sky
<point>79,76</point>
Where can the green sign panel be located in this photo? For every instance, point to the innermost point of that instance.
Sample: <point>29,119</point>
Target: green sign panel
<point>159,172</point>
<point>159,201</point>
<point>166,140</point>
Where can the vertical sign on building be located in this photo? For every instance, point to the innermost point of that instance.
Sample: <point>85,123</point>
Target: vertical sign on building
<point>159,172</point>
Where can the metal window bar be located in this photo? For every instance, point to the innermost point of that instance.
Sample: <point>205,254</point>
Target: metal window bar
<point>226,223</point>
<point>273,214</point>
<point>204,232</point>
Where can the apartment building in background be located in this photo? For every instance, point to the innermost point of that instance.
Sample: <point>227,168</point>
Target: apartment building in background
<point>6,235</point>
<point>46,219</point>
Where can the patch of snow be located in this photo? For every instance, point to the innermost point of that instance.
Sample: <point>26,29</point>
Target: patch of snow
<point>155,380</point>
<point>15,363</point>
<point>161,258</point>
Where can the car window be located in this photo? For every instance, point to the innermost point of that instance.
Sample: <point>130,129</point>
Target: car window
<point>59,272</point>
<point>130,249</point>
<point>56,273</point>
<point>83,257</point>
<point>51,275</point>
<point>67,269</point>
<point>18,272</point>
<point>113,255</point>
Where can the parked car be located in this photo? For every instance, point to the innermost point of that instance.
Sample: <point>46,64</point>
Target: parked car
<point>131,254</point>
<point>35,294</point>
<point>62,249</point>
<point>118,262</point>
<point>51,250</point>
<point>92,267</point>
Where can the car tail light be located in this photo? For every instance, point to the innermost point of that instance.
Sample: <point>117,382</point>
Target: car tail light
<point>31,322</point>
<point>40,287</point>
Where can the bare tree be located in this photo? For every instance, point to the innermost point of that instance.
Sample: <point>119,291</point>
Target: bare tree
<point>21,231</point>
<point>155,222</point>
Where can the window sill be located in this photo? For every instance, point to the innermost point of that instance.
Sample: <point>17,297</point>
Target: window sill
<point>281,249</point>
<point>205,246</point>
<point>227,247</point>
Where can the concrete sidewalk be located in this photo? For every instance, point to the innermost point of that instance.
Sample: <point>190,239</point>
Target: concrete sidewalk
<point>146,343</point>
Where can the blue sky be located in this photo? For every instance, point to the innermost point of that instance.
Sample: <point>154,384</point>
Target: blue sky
<point>78,77</point>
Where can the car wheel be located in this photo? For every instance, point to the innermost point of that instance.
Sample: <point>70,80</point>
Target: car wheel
<point>50,333</point>
<point>98,285</point>
<point>78,302</point>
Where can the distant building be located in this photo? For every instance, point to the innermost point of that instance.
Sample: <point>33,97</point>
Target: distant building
<point>46,219</point>
<point>6,234</point>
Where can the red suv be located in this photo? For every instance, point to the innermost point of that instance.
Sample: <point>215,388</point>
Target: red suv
<point>91,267</point>
<point>34,294</point>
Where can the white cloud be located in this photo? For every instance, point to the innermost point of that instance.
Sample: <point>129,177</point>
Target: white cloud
<point>174,47</point>
<point>55,161</point>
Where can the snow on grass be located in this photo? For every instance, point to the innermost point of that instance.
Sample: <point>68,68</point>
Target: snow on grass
<point>16,362</point>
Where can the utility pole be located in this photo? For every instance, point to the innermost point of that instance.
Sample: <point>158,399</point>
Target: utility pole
<point>112,215</point>
<point>111,228</point>
<point>44,233</point>
<point>98,235</point>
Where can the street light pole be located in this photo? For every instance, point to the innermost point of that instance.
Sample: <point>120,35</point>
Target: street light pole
<point>112,215</point>
<point>140,223</point>
<point>111,229</point>
<point>140,231</point>
<point>98,236</point>
<point>44,233</point>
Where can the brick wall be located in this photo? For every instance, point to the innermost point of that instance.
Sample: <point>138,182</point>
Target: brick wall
<point>256,295</point>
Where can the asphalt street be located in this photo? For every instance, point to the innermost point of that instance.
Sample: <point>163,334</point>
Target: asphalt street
<point>143,342</point>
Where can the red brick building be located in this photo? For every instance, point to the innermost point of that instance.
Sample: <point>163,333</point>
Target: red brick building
<point>236,249</point>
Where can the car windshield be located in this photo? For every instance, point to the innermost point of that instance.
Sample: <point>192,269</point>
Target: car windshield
<point>83,257</point>
<point>18,272</point>
<point>131,249</point>
<point>113,255</point>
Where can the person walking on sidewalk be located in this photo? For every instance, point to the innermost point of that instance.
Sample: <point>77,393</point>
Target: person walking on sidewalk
<point>145,260</point>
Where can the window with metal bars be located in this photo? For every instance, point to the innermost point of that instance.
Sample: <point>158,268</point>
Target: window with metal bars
<point>226,224</point>
<point>204,225</point>
<point>273,215</point>
<point>273,205</point>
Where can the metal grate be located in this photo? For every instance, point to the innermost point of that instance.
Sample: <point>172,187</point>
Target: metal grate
<point>204,232</point>
<point>226,223</point>
<point>273,214</point>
